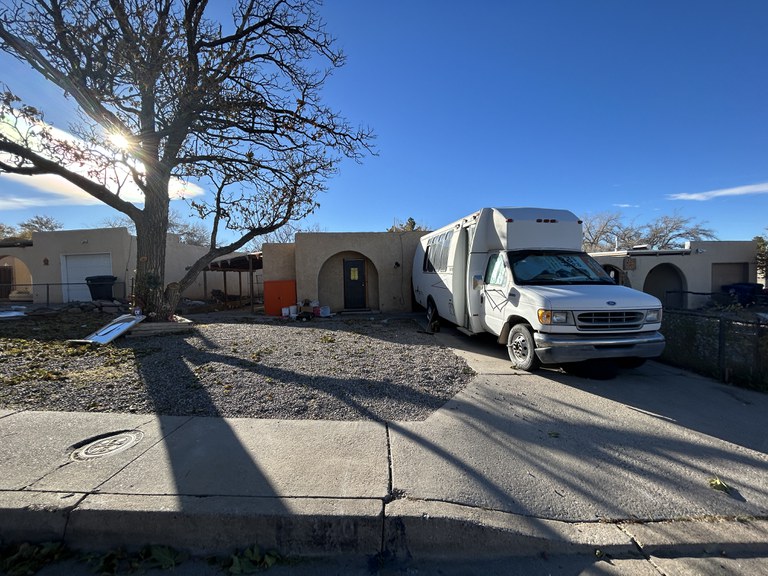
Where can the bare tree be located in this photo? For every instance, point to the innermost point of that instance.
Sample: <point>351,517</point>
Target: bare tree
<point>601,231</point>
<point>25,229</point>
<point>673,231</point>
<point>283,235</point>
<point>605,232</point>
<point>168,93</point>
<point>38,223</point>
<point>7,231</point>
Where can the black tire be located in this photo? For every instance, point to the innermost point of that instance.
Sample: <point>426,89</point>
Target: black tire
<point>522,349</point>
<point>630,363</point>
<point>598,369</point>
<point>433,319</point>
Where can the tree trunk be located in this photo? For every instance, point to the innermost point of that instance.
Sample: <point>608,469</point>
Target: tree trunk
<point>151,232</point>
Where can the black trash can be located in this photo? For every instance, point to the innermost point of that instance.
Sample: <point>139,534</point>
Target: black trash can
<point>744,292</point>
<point>101,286</point>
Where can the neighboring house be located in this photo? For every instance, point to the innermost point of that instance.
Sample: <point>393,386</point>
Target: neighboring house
<point>346,271</point>
<point>51,268</point>
<point>687,277</point>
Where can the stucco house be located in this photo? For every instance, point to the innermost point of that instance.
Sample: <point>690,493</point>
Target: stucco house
<point>51,268</point>
<point>684,278</point>
<point>345,271</point>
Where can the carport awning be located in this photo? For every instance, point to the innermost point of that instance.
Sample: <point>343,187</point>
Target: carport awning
<point>242,263</point>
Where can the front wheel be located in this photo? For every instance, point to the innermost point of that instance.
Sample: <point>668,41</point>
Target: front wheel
<point>522,349</point>
<point>631,363</point>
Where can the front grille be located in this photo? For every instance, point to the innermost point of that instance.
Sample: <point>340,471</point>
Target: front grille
<point>610,320</point>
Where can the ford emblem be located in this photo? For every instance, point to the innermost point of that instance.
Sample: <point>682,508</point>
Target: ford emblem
<point>611,303</point>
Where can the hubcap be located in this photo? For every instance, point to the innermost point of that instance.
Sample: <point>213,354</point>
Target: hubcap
<point>519,347</point>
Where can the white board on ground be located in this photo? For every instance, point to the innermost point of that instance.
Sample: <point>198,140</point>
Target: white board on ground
<point>105,335</point>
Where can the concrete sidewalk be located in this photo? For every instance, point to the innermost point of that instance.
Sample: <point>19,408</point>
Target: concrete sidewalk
<point>436,489</point>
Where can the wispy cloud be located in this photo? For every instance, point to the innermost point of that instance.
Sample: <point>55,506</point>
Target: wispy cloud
<point>737,191</point>
<point>627,205</point>
<point>57,191</point>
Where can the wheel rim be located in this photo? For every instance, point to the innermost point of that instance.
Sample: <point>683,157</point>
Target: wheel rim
<point>519,347</point>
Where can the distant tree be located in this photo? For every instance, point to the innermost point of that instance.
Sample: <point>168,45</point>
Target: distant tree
<point>38,224</point>
<point>7,231</point>
<point>605,231</point>
<point>667,232</point>
<point>283,235</point>
<point>168,92</point>
<point>762,255</point>
<point>193,233</point>
<point>601,231</point>
<point>409,225</point>
<point>189,232</point>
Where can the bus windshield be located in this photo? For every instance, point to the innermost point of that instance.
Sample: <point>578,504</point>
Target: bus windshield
<point>552,267</point>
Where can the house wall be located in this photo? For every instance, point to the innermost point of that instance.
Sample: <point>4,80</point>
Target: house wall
<point>319,260</point>
<point>44,259</point>
<point>694,266</point>
<point>279,262</point>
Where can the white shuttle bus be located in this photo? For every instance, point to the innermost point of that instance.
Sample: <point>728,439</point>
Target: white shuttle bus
<point>520,273</point>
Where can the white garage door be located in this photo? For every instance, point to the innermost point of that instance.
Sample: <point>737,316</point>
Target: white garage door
<point>75,268</point>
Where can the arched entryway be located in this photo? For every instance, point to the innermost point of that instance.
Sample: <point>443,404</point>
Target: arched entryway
<point>668,284</point>
<point>15,279</point>
<point>348,281</point>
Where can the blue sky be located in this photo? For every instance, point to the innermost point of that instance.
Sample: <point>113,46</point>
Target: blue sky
<point>639,107</point>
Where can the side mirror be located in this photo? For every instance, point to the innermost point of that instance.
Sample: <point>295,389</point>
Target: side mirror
<point>477,282</point>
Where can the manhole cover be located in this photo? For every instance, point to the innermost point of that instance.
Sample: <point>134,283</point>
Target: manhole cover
<point>109,444</point>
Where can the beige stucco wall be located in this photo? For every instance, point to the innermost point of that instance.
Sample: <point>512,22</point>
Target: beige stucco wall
<point>44,259</point>
<point>694,264</point>
<point>279,261</point>
<point>388,255</point>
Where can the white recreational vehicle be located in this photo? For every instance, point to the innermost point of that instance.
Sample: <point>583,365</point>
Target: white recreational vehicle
<point>520,274</point>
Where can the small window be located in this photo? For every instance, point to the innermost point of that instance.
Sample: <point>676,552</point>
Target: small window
<point>428,267</point>
<point>495,273</point>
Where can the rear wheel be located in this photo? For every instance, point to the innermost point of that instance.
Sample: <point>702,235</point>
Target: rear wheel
<point>522,349</point>
<point>433,320</point>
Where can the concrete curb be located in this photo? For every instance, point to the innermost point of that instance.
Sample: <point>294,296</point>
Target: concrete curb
<point>696,538</point>
<point>418,529</point>
<point>202,525</point>
<point>323,527</point>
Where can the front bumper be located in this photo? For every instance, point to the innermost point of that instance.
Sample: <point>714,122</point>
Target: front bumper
<point>563,348</point>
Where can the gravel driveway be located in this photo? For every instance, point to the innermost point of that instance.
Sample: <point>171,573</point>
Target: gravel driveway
<point>325,369</point>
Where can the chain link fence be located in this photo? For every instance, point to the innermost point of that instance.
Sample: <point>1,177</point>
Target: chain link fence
<point>727,348</point>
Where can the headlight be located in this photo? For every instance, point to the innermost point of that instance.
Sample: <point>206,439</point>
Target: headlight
<point>554,316</point>
<point>653,316</point>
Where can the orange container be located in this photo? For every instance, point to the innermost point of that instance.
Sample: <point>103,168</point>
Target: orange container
<point>278,294</point>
